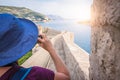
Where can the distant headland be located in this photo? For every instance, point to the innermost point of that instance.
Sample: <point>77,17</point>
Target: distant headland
<point>23,12</point>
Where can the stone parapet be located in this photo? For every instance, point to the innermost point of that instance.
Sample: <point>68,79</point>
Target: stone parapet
<point>76,59</point>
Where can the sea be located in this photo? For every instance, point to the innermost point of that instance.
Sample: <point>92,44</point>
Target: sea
<point>82,32</point>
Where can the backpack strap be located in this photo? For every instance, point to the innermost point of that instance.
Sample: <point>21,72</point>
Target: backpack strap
<point>21,74</point>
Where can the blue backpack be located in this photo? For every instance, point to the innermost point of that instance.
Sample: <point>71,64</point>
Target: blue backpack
<point>21,74</point>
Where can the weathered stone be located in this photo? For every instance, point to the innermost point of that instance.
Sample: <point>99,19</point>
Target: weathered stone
<point>76,59</point>
<point>105,56</point>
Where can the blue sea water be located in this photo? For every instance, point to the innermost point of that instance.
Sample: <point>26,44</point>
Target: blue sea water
<point>82,32</point>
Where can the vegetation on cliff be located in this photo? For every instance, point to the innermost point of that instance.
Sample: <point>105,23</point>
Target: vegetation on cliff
<point>23,13</point>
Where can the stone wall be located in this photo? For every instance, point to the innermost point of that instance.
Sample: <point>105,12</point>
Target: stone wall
<point>105,57</point>
<point>76,59</point>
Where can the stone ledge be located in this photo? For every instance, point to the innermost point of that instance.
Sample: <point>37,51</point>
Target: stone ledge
<point>76,59</point>
<point>40,58</point>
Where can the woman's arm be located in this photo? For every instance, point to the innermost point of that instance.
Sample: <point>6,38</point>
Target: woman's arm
<point>62,72</point>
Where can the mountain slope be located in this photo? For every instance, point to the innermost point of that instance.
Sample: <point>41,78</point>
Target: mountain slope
<point>23,13</point>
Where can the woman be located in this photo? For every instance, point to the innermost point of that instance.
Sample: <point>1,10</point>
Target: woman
<point>17,37</point>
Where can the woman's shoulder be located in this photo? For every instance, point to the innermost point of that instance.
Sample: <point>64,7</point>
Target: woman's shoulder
<point>38,73</point>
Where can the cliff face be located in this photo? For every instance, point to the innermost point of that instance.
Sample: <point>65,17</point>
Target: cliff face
<point>105,56</point>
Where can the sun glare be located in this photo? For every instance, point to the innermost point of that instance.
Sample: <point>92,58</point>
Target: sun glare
<point>77,12</point>
<point>83,14</point>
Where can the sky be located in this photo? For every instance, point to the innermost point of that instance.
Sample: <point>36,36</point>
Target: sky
<point>72,9</point>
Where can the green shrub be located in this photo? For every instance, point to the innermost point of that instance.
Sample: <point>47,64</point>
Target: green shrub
<point>24,58</point>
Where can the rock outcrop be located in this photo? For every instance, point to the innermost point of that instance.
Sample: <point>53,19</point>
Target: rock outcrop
<point>105,56</point>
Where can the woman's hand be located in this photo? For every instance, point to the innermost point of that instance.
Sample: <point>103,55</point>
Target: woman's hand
<point>62,72</point>
<point>45,43</point>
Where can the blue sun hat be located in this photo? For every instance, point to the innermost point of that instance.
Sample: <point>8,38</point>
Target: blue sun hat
<point>17,37</point>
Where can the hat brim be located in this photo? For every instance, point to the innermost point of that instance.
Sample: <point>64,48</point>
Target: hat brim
<point>27,42</point>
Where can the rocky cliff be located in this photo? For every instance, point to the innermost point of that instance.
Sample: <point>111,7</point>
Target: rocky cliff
<point>105,56</point>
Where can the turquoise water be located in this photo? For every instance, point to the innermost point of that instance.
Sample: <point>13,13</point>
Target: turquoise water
<point>81,32</point>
